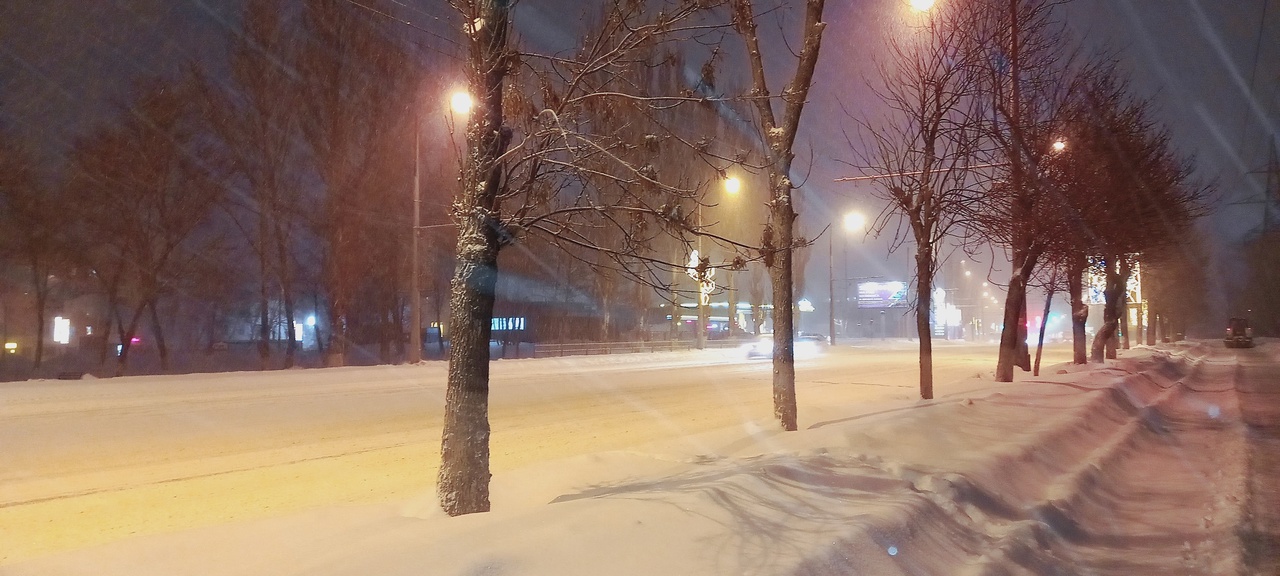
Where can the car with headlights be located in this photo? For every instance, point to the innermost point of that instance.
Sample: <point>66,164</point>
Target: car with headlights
<point>805,346</point>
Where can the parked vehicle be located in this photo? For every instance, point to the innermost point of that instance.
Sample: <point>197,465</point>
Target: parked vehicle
<point>1239,333</point>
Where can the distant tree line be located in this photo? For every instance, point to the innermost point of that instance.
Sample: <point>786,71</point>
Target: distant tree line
<point>1003,135</point>
<point>277,180</point>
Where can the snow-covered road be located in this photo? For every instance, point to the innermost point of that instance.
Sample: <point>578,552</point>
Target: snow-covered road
<point>93,461</point>
<point>1164,462</point>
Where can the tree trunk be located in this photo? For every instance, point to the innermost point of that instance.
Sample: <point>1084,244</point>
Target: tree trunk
<point>1104,342</point>
<point>336,356</point>
<point>1124,268</point>
<point>674,326</point>
<point>291,347</point>
<point>286,293</point>
<point>464,449</point>
<point>159,334</point>
<point>1079,316</point>
<point>1023,356</point>
<point>40,283</point>
<point>384,333</point>
<point>1014,313</point>
<point>315,305</point>
<point>126,339</point>
<point>1044,323</point>
<point>106,331</point>
<point>732,295</point>
<point>701,332</point>
<point>264,295</point>
<point>1124,322</point>
<point>784,360</point>
<point>924,299</point>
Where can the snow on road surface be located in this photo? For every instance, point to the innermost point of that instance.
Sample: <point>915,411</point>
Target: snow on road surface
<point>1139,466</point>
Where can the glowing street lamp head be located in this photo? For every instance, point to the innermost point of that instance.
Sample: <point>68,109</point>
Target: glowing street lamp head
<point>1059,145</point>
<point>460,102</point>
<point>732,184</point>
<point>854,221</point>
<point>920,5</point>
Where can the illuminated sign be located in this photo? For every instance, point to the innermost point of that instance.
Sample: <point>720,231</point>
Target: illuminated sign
<point>882,294</point>
<point>1095,279</point>
<point>61,330</point>
<point>506,324</point>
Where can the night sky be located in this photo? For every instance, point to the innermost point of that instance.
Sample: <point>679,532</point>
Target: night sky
<point>1213,68</point>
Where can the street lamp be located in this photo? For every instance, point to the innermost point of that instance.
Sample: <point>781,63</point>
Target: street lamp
<point>920,5</point>
<point>732,185</point>
<point>853,222</point>
<point>460,103</point>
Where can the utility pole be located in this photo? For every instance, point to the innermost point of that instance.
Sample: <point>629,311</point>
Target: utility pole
<point>415,293</point>
<point>700,341</point>
<point>831,290</point>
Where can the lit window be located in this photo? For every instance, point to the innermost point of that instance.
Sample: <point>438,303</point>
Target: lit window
<point>62,330</point>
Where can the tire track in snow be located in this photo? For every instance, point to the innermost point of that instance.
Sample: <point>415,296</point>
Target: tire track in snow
<point>1258,384</point>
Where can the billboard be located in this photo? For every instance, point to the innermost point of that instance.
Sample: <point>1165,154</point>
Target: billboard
<point>1095,283</point>
<point>882,294</point>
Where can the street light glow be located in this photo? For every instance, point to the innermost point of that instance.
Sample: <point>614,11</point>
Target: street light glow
<point>732,184</point>
<point>920,5</point>
<point>460,102</point>
<point>1059,146</point>
<point>854,221</point>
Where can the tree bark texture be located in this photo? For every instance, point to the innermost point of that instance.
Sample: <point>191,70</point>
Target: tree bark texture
<point>1044,323</point>
<point>161,347</point>
<point>1011,352</point>
<point>464,449</point>
<point>784,359</point>
<point>924,301</point>
<point>1104,342</point>
<point>1079,316</point>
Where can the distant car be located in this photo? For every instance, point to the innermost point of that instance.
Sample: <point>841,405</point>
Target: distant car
<point>805,345</point>
<point>1239,334</point>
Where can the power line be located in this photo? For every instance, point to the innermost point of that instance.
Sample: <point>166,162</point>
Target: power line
<point>410,24</point>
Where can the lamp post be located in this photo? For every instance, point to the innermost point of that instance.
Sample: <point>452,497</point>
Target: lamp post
<point>459,103</point>
<point>853,222</point>
<point>704,275</point>
<point>415,291</point>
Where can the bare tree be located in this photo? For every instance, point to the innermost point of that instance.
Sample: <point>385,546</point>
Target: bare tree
<point>255,114</point>
<point>539,164</point>
<point>778,122</point>
<point>357,85</point>
<point>1028,79</point>
<point>29,228</point>
<point>1155,201</point>
<point>146,187</point>
<point>920,156</point>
